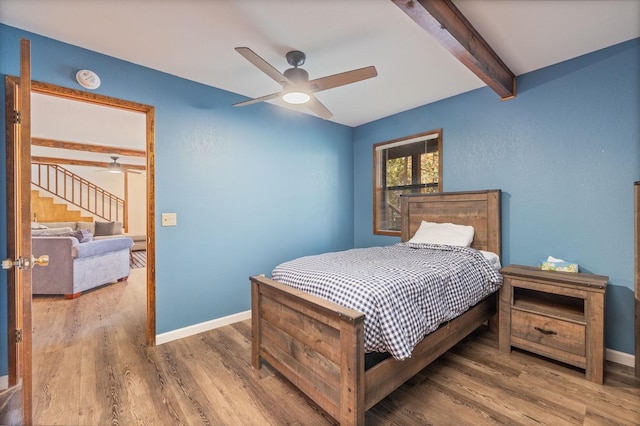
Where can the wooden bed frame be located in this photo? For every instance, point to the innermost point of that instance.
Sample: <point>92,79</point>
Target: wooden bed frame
<point>319,345</point>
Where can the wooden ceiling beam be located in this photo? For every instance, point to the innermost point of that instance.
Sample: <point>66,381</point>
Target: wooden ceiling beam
<point>70,162</point>
<point>444,21</point>
<point>75,146</point>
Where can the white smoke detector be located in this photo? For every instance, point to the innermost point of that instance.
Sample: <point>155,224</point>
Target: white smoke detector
<point>88,79</point>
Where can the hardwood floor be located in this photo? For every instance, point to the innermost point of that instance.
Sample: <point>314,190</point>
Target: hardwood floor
<point>91,367</point>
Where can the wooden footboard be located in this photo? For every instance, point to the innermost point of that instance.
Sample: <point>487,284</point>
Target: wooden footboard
<point>319,346</point>
<point>316,344</point>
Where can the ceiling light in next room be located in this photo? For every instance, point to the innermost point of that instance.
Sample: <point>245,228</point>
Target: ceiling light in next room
<point>114,167</point>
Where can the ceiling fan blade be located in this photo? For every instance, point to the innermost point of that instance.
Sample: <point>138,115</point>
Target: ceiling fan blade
<point>256,100</point>
<point>263,65</point>
<point>318,108</point>
<point>336,80</point>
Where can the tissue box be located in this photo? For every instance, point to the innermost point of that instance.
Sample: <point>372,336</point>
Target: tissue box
<point>546,265</point>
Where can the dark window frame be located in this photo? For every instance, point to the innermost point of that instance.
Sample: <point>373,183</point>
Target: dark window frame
<point>386,214</point>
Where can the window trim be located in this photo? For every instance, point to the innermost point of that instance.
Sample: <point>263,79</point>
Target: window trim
<point>377,172</point>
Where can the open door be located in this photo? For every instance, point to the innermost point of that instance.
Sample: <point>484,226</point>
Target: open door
<point>15,402</point>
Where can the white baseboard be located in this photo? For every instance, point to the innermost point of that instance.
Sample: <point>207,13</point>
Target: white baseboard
<point>4,382</point>
<point>620,357</point>
<point>202,327</point>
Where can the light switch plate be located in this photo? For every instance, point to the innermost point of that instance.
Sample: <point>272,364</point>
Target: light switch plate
<point>169,219</point>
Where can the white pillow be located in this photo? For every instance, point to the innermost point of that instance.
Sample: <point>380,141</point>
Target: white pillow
<point>492,258</point>
<point>443,233</point>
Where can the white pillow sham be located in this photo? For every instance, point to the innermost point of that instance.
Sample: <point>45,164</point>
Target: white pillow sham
<point>443,233</point>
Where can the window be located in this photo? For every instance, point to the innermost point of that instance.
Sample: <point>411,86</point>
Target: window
<point>411,165</point>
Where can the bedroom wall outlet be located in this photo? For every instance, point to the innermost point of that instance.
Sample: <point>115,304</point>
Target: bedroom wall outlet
<point>169,219</point>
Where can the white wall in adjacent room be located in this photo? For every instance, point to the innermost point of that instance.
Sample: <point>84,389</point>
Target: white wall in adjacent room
<point>137,204</point>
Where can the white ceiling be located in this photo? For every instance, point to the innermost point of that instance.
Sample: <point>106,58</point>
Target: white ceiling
<point>81,122</point>
<point>195,39</point>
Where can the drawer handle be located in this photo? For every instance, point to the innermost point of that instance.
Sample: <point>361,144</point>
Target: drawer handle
<point>547,332</point>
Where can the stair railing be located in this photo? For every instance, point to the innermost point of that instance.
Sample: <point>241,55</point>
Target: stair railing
<point>78,191</point>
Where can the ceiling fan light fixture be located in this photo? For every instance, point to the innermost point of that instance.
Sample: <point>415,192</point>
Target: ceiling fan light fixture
<point>296,97</point>
<point>114,167</point>
<point>297,89</point>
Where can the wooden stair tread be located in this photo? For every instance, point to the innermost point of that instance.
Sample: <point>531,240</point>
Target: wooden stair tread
<point>48,210</point>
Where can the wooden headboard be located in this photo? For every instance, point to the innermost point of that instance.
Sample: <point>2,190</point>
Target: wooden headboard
<point>480,209</point>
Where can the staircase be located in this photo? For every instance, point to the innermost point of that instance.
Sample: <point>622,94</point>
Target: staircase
<point>75,191</point>
<point>45,209</point>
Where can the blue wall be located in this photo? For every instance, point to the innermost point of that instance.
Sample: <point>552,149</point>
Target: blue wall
<point>251,186</point>
<point>259,185</point>
<point>565,152</point>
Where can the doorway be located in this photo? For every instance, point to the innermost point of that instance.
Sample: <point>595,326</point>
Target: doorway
<point>92,99</point>
<point>149,114</point>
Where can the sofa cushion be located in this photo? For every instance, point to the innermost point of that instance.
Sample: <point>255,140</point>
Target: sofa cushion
<point>82,235</point>
<point>97,247</point>
<point>91,226</point>
<point>71,225</point>
<point>53,232</point>
<point>105,228</point>
<point>118,228</point>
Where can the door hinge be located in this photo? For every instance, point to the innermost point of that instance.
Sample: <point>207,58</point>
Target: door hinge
<point>19,335</point>
<point>17,117</point>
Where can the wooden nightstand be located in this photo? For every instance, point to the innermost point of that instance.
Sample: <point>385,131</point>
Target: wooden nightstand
<point>559,315</point>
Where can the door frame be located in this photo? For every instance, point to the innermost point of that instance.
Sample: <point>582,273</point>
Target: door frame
<point>149,111</point>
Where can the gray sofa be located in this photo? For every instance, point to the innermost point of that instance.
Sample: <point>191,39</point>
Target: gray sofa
<point>100,231</point>
<point>75,267</point>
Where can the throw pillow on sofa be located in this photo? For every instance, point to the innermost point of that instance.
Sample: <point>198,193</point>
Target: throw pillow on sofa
<point>83,235</point>
<point>117,228</point>
<point>91,226</point>
<point>105,228</point>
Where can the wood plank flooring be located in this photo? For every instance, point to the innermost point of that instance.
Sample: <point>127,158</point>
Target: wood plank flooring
<point>91,367</point>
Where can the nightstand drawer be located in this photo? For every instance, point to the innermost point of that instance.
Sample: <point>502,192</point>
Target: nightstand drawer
<point>566,336</point>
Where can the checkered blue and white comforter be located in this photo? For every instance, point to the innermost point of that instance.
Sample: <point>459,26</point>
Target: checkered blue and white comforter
<point>405,290</point>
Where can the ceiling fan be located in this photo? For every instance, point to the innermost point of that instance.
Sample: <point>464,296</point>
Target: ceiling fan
<point>296,86</point>
<point>115,167</point>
